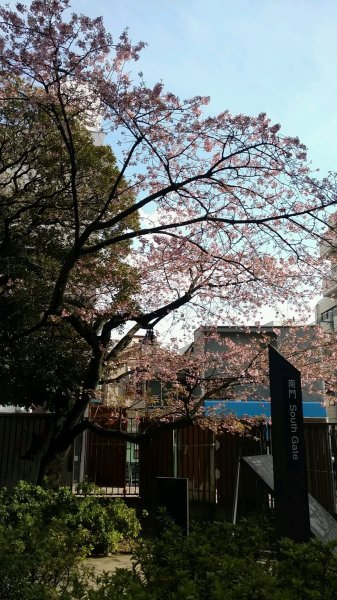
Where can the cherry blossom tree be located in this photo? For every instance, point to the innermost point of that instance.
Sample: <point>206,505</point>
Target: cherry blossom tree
<point>221,364</point>
<point>203,218</point>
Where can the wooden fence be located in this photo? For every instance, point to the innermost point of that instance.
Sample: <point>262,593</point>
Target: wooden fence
<point>208,461</point>
<point>23,439</point>
<point>320,442</point>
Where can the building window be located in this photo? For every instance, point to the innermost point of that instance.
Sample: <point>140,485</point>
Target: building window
<point>327,316</point>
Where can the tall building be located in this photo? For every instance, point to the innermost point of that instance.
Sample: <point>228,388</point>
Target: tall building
<point>326,308</point>
<point>282,337</point>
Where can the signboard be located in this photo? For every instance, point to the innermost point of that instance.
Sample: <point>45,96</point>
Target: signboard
<point>288,447</point>
<point>172,494</point>
<point>322,524</point>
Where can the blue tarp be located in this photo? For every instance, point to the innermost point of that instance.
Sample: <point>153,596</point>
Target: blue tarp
<point>252,408</point>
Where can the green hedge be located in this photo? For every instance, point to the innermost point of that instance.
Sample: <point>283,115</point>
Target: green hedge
<point>43,538</point>
<point>224,562</point>
<point>45,534</point>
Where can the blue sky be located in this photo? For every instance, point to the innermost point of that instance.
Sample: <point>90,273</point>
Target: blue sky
<point>250,56</point>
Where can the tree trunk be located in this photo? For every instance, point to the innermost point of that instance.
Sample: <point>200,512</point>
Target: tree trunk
<point>52,469</point>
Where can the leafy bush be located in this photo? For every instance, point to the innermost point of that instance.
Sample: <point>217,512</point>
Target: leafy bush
<point>214,561</point>
<point>219,561</point>
<point>309,570</point>
<point>44,535</point>
<point>35,561</point>
<point>101,522</point>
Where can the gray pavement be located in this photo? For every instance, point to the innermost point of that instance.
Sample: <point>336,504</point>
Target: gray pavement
<point>109,563</point>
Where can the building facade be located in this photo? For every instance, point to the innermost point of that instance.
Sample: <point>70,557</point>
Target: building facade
<point>326,308</point>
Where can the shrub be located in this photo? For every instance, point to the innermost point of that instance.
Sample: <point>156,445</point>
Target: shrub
<point>219,561</point>
<point>36,560</point>
<point>108,523</point>
<point>308,570</point>
<point>123,583</point>
<point>45,534</point>
<point>101,522</point>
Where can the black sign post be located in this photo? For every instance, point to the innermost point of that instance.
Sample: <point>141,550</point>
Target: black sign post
<point>172,494</point>
<point>288,447</point>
